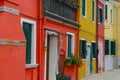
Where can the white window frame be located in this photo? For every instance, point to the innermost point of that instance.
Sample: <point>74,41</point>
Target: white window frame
<point>73,45</point>
<point>85,16</point>
<point>33,42</point>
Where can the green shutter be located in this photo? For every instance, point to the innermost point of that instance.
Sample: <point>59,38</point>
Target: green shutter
<point>106,47</point>
<point>83,7</point>
<point>27,31</point>
<point>101,16</point>
<point>69,45</point>
<point>93,9</point>
<point>84,48</point>
<point>113,47</point>
<point>106,11</point>
<point>94,50</point>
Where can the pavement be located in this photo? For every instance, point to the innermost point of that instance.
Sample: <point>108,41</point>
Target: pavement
<point>108,75</point>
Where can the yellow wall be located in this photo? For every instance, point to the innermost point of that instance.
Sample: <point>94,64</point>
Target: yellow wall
<point>87,31</point>
<point>108,25</point>
<point>116,26</point>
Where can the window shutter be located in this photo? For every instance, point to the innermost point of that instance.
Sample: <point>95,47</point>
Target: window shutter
<point>83,7</point>
<point>84,48</point>
<point>106,47</point>
<point>93,5</point>
<point>113,47</point>
<point>94,49</point>
<point>106,7</point>
<point>69,45</point>
<point>100,15</point>
<point>27,28</point>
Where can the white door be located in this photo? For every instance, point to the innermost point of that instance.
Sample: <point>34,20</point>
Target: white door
<point>100,56</point>
<point>88,60</point>
<point>109,62</point>
<point>53,58</point>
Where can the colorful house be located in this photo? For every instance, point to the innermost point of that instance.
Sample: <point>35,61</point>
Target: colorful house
<point>109,36</point>
<point>37,36</point>
<point>87,37</point>
<point>100,32</point>
<point>61,37</point>
<point>116,32</point>
<point>20,40</point>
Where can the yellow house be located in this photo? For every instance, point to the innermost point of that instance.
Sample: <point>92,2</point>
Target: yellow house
<point>109,38</point>
<point>87,37</point>
<point>116,31</point>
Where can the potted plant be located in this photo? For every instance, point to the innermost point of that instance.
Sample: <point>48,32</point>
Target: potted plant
<point>62,76</point>
<point>72,60</point>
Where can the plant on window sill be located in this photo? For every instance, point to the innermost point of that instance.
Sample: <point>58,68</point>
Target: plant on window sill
<point>72,60</point>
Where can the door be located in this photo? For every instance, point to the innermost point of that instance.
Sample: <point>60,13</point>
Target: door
<point>88,60</point>
<point>100,57</point>
<point>52,58</point>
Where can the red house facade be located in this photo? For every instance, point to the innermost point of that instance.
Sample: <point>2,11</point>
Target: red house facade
<point>100,36</point>
<point>33,36</point>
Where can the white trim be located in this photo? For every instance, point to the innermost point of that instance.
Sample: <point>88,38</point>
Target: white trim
<point>82,39</point>
<point>88,44</point>
<point>51,33</point>
<point>9,10</point>
<point>73,43</point>
<point>31,65</point>
<point>93,42</point>
<point>33,45</point>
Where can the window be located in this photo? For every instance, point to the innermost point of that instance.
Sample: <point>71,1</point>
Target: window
<point>113,48</point>
<point>82,49</point>
<point>106,47</point>
<point>84,8</point>
<point>99,15</point>
<point>70,47</point>
<point>94,49</point>
<point>29,29</point>
<point>106,12</point>
<point>93,10</point>
<point>111,16</point>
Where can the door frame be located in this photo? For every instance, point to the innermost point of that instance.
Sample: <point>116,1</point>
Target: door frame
<point>48,33</point>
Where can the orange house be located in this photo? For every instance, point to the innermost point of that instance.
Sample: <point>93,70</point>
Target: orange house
<point>61,38</point>
<point>34,36</point>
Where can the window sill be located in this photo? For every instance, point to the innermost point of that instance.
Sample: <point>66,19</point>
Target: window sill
<point>99,23</point>
<point>31,65</point>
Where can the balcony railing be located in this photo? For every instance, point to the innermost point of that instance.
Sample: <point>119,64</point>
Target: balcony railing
<point>63,11</point>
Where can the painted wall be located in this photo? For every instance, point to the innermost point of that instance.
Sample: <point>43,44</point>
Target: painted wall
<point>101,32</point>
<point>63,29</point>
<point>12,58</point>
<point>116,30</point>
<point>107,23</point>
<point>88,32</point>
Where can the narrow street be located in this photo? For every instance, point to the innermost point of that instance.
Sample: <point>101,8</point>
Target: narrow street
<point>109,75</point>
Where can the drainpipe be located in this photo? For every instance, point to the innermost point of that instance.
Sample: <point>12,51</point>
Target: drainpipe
<point>96,36</point>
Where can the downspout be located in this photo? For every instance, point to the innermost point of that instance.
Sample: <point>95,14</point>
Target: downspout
<point>39,41</point>
<point>96,36</point>
<point>78,34</point>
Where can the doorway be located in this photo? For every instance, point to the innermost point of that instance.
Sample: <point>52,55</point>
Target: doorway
<point>51,58</point>
<point>88,60</point>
